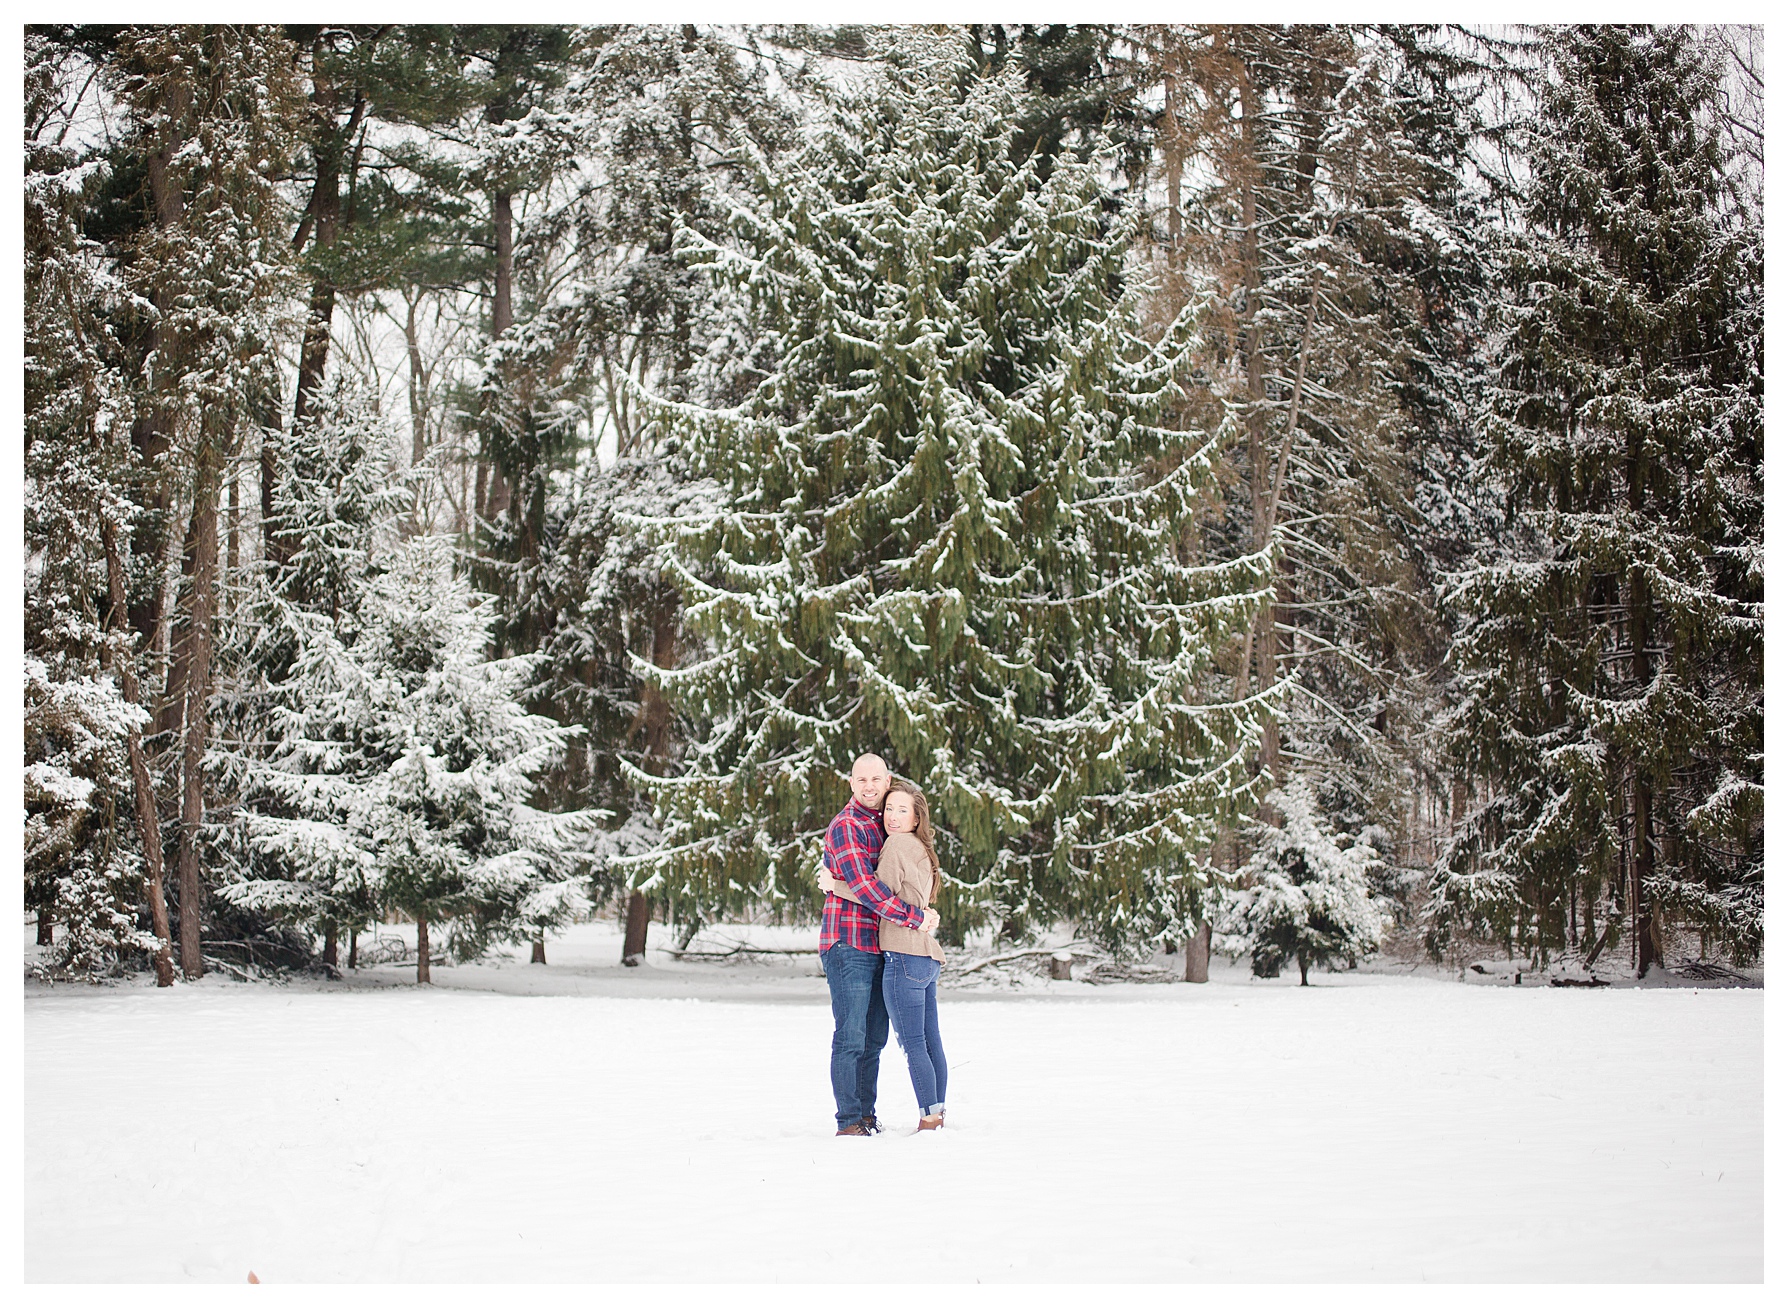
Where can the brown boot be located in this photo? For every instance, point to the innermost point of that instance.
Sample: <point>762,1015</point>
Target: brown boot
<point>855,1128</point>
<point>931,1122</point>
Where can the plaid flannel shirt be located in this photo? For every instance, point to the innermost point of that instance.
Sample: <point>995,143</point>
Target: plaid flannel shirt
<point>853,844</point>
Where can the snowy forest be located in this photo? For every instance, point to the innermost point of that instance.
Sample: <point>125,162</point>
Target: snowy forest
<point>1293,490</point>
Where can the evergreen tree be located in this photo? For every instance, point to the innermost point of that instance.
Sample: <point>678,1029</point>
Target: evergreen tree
<point>79,467</point>
<point>371,221</point>
<point>954,531</point>
<point>658,107</point>
<point>1082,95</point>
<point>1610,660</point>
<point>1328,213</point>
<point>1323,180</point>
<point>607,579</point>
<point>403,769</point>
<point>208,113</point>
<point>337,507</point>
<point>77,866</point>
<point>1304,898</point>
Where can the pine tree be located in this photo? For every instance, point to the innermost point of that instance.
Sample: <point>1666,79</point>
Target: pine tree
<point>78,519</point>
<point>403,770</point>
<point>1082,95</point>
<point>1304,898</point>
<point>1314,179</point>
<point>370,223</point>
<point>954,531</point>
<point>1610,660</point>
<point>658,109</point>
<point>338,506</point>
<point>77,866</point>
<point>209,113</point>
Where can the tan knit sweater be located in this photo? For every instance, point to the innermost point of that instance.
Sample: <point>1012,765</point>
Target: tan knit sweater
<point>905,868</point>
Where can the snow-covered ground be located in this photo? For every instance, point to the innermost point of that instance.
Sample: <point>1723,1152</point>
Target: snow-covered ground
<point>584,1122</point>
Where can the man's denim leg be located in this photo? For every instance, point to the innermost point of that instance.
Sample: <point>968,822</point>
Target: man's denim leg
<point>859,1028</point>
<point>875,1039</point>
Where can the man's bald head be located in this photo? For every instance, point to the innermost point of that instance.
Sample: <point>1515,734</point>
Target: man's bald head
<point>869,781</point>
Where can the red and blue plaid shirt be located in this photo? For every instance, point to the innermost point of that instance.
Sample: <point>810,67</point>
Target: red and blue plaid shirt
<point>853,844</point>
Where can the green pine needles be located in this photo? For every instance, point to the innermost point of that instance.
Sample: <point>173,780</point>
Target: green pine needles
<point>1610,662</point>
<point>956,528</point>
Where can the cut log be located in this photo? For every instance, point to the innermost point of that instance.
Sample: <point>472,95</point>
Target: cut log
<point>1061,965</point>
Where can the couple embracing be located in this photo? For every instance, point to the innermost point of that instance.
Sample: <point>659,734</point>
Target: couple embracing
<point>880,874</point>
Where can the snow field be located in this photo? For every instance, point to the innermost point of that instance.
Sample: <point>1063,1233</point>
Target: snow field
<point>1366,1128</point>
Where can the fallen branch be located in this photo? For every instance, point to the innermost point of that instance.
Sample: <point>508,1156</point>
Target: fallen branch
<point>1073,947</point>
<point>240,974</point>
<point>734,951</point>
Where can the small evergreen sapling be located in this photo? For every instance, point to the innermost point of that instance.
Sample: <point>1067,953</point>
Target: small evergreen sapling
<point>407,772</point>
<point>1304,897</point>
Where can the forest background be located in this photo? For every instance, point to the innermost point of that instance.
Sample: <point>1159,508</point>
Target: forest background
<point>1295,481</point>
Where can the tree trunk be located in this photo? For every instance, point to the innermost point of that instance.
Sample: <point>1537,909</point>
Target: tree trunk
<point>539,954</point>
<point>1303,970</point>
<point>418,381</point>
<point>1173,150</point>
<point>502,307</point>
<point>1262,638</point>
<point>353,950</point>
<point>197,688</point>
<point>639,914</point>
<point>655,720</point>
<point>1198,954</point>
<point>422,950</point>
<point>657,709</point>
<point>46,928</point>
<point>330,935</point>
<point>153,431</point>
<point>502,317</point>
<point>233,550</point>
<point>1595,951</point>
<point>1647,927</point>
<point>170,716</point>
<point>148,823</point>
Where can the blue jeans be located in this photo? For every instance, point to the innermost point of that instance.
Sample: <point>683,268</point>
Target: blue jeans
<point>909,987</point>
<point>859,1028</point>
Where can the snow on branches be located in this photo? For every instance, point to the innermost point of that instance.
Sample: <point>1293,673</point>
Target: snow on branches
<point>955,529</point>
<point>1304,898</point>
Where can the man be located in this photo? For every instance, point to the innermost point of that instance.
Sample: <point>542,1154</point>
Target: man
<point>850,946</point>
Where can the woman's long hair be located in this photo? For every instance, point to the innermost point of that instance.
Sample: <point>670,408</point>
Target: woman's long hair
<point>922,811</point>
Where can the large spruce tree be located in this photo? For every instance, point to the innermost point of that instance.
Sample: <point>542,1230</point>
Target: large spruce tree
<point>1611,661</point>
<point>955,531</point>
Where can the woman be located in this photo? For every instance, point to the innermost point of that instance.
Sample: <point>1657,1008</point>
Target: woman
<point>909,867</point>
